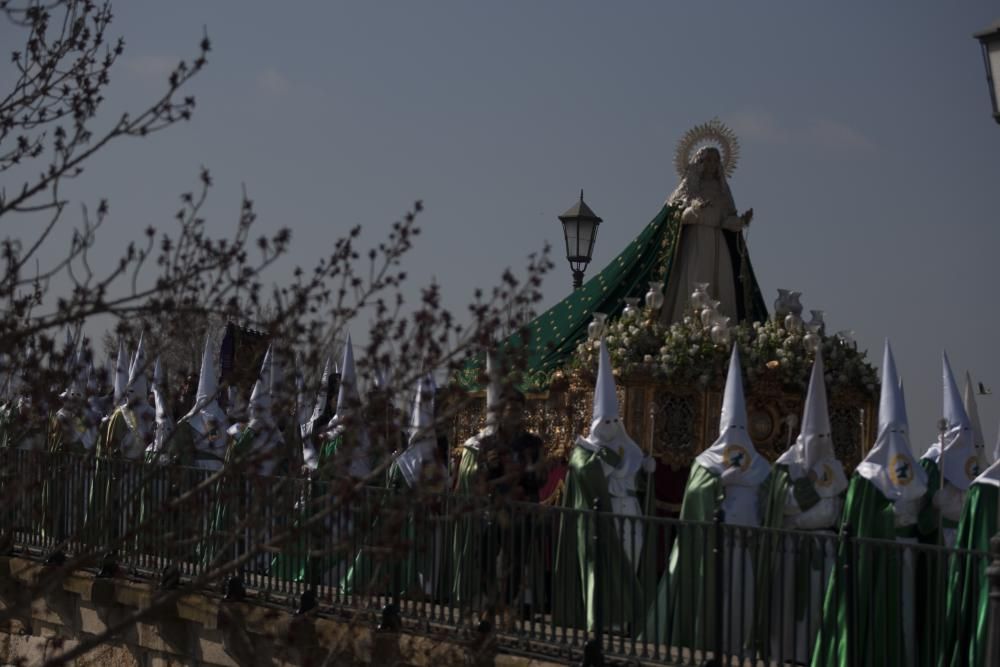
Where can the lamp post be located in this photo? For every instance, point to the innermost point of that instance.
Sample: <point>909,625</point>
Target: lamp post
<point>989,39</point>
<point>580,229</point>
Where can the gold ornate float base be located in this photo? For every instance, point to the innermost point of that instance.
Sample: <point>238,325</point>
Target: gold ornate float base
<point>676,423</point>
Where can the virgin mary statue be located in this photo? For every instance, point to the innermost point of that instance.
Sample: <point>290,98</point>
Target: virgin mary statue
<point>710,248</point>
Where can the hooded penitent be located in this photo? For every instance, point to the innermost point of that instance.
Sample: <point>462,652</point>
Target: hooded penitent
<point>322,398</point>
<point>347,418</point>
<point>960,462</point>
<point>813,449</point>
<point>493,402</point>
<point>262,395</point>
<point>77,425</point>
<point>968,590</point>
<point>76,374</point>
<point>978,438</point>
<point>423,439</point>
<point>267,440</point>
<point>733,455</point>
<point>310,455</point>
<point>728,475</point>
<point>164,420</point>
<point>607,470</point>
<point>882,503</point>
<point>348,397</point>
<point>137,389</point>
<point>803,493</point>
<point>608,431</point>
<point>139,415</point>
<point>890,465</point>
<point>206,418</point>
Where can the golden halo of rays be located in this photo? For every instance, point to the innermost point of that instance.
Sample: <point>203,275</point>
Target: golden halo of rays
<point>713,133</point>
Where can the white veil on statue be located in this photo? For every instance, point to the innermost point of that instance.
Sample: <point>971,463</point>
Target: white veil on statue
<point>706,157</point>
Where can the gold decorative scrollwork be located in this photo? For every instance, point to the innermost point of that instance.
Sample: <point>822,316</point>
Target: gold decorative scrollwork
<point>676,423</point>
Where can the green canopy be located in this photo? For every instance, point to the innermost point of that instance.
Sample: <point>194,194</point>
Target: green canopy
<point>555,334</point>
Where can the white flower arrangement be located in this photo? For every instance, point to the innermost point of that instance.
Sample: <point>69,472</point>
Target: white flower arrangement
<point>685,354</point>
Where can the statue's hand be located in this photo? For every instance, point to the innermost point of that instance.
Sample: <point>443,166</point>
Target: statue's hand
<point>747,217</point>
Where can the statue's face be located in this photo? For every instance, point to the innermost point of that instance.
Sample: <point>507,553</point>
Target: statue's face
<point>711,164</point>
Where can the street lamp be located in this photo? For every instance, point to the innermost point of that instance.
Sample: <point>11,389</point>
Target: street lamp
<point>580,228</point>
<point>990,41</point>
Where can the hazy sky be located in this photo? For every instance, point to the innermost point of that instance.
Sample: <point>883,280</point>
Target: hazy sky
<point>869,154</point>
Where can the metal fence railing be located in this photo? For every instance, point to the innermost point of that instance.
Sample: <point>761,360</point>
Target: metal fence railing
<point>548,579</point>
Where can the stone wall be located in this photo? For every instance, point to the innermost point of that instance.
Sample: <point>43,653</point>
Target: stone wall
<point>47,611</point>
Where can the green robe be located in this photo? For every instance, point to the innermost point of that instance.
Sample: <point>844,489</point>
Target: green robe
<point>308,556</point>
<point>932,569</point>
<point>230,501</point>
<point>398,544</point>
<point>171,531</point>
<point>467,544</point>
<point>63,493</point>
<point>878,625</point>
<point>580,564</point>
<point>115,493</point>
<point>967,604</point>
<point>769,560</point>
<point>384,527</point>
<point>685,597</point>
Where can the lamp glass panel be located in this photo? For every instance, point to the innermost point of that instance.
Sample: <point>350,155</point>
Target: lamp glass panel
<point>570,230</point>
<point>585,238</point>
<point>993,52</point>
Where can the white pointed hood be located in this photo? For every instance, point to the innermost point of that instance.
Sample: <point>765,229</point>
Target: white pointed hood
<point>121,373</point>
<point>494,405</point>
<point>268,438</point>
<point>734,450</point>
<point>323,395</point>
<point>972,409</point>
<point>493,395</point>
<point>960,463</point>
<point>890,464</point>
<point>605,393</point>
<point>606,428</point>
<point>206,404</point>
<point>813,449</point>
<point>309,454</point>
<point>164,420</point>
<point>261,396</point>
<point>76,379</point>
<point>348,397</point>
<point>423,439</point>
<point>348,415</point>
<point>138,387</point>
<point>422,416</point>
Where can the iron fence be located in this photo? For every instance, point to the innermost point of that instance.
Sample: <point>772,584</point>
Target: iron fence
<point>548,580</point>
